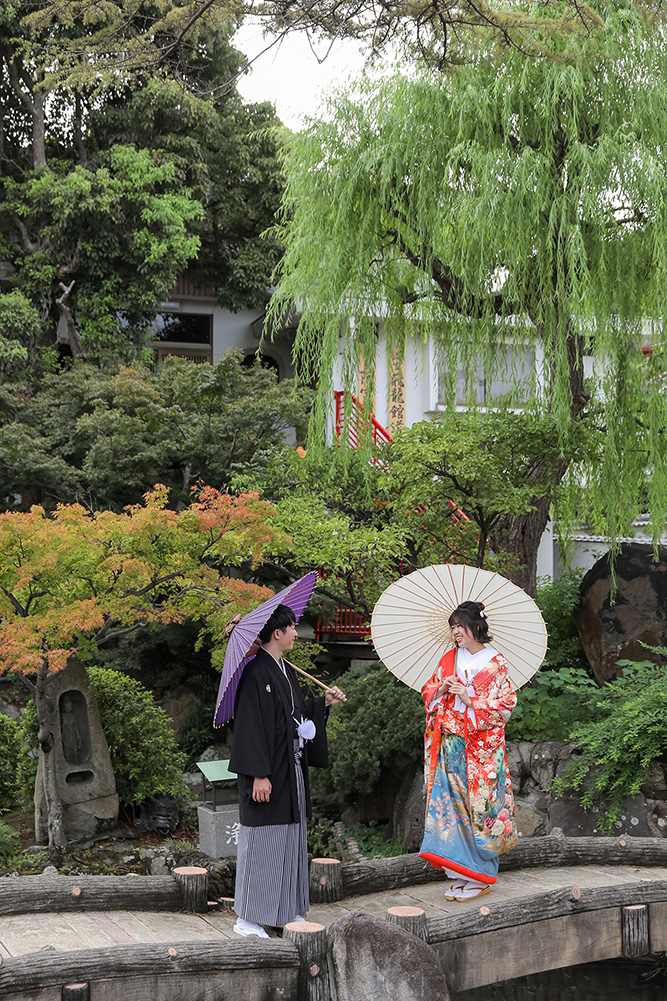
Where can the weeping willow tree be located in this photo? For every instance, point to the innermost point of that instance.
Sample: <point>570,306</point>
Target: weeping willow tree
<point>514,196</point>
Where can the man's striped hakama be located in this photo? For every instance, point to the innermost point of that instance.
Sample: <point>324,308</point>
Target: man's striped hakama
<point>272,867</point>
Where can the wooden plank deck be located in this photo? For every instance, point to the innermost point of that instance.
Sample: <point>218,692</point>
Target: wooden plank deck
<point>21,934</point>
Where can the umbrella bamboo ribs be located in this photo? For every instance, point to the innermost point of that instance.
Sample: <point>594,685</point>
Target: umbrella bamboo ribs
<point>410,623</point>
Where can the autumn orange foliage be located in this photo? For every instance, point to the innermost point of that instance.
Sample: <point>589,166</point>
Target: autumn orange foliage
<point>71,579</point>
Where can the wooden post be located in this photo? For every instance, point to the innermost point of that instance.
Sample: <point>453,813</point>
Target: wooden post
<point>326,880</point>
<point>193,884</point>
<point>412,919</point>
<point>635,931</point>
<point>311,941</point>
<point>76,992</point>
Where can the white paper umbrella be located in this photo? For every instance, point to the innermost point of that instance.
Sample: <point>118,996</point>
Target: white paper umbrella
<point>410,626</point>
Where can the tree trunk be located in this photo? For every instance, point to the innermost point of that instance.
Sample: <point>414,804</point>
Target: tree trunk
<point>38,129</point>
<point>520,535</point>
<point>72,333</point>
<point>45,716</point>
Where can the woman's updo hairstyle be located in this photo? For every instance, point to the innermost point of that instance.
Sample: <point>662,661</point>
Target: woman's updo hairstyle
<point>470,615</point>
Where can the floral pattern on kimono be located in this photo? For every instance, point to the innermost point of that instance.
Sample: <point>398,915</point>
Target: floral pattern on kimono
<point>470,806</point>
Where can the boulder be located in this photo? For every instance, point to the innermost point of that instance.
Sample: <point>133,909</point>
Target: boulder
<point>7,709</point>
<point>572,818</point>
<point>544,761</point>
<point>611,632</point>
<point>529,822</point>
<point>657,818</point>
<point>654,785</point>
<point>373,959</point>
<point>215,752</point>
<point>409,811</point>
<point>576,821</point>
<point>518,759</point>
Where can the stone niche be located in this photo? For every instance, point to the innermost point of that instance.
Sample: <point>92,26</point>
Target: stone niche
<point>84,776</point>
<point>611,632</point>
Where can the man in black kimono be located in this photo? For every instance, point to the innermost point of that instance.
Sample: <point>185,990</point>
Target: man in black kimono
<point>274,743</point>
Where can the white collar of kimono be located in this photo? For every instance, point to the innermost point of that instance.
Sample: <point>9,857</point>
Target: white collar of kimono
<point>469,664</point>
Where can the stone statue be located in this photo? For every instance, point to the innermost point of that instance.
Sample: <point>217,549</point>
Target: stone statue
<point>70,732</point>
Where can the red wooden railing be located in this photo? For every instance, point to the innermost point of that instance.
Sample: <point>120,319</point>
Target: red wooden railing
<point>345,622</point>
<point>359,424</point>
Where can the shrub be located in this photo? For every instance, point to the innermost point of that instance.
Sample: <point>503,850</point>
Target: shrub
<point>557,600</point>
<point>144,754</point>
<point>626,731</point>
<point>380,726</point>
<point>10,750</point>
<point>9,841</point>
<point>199,733</point>
<point>552,706</point>
<point>556,700</point>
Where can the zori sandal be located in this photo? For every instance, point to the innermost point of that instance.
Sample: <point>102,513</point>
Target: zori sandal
<point>472,892</point>
<point>456,887</point>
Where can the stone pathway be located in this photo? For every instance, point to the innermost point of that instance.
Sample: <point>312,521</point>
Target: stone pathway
<point>29,933</point>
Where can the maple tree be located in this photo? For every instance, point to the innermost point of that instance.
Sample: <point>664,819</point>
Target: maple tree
<point>72,580</point>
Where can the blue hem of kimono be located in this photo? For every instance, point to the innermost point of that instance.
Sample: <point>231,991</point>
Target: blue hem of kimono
<point>449,838</point>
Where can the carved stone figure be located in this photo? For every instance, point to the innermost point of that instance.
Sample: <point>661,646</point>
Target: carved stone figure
<point>84,775</point>
<point>74,730</point>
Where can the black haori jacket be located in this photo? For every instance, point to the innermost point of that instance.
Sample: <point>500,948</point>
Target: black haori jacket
<point>264,731</point>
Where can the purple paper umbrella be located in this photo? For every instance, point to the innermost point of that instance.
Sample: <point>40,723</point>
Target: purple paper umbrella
<point>244,634</point>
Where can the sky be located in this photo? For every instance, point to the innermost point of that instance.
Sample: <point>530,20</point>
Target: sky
<point>289,73</point>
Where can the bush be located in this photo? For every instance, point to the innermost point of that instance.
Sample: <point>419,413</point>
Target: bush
<point>557,600</point>
<point>198,733</point>
<point>144,754</point>
<point>557,699</point>
<point>552,706</point>
<point>9,841</point>
<point>10,750</point>
<point>627,731</point>
<point>380,726</point>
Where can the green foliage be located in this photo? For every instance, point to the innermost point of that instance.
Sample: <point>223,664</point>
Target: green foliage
<point>113,182</point>
<point>106,437</point>
<point>381,726</point>
<point>9,841</point>
<point>552,706</point>
<point>198,733</point>
<point>10,749</point>
<point>372,842</point>
<point>509,205</point>
<point>303,656</point>
<point>354,520</point>
<point>557,600</point>
<point>481,463</point>
<point>144,754</point>
<point>329,839</point>
<point>441,35</point>
<point>558,697</point>
<point>226,153</point>
<point>141,218</point>
<point>162,658</point>
<point>19,331</point>
<point>626,731</point>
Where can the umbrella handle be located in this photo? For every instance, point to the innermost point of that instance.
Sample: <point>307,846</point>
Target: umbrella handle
<point>299,670</point>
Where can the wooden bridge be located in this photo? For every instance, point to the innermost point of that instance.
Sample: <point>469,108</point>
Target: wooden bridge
<point>558,902</point>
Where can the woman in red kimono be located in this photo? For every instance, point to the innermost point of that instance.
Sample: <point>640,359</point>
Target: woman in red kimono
<point>469,802</point>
